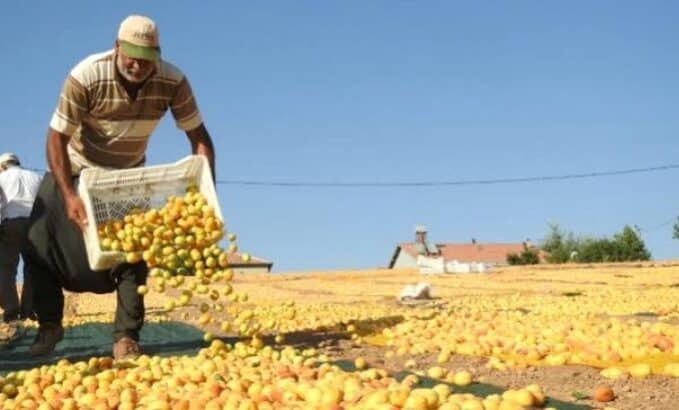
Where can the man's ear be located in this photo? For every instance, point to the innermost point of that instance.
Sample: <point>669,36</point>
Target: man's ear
<point>116,44</point>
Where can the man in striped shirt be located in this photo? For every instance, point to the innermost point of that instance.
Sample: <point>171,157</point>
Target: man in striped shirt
<point>109,105</point>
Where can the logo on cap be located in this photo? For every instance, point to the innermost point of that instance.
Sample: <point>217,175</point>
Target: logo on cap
<point>143,36</point>
<point>139,30</point>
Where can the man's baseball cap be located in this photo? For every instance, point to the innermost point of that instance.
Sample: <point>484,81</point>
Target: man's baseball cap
<point>8,157</point>
<point>138,38</point>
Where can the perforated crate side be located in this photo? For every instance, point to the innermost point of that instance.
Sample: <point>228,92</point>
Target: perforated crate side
<point>117,202</point>
<point>111,194</point>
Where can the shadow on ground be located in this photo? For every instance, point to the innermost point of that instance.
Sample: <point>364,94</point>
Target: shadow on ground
<point>330,336</point>
<point>94,339</point>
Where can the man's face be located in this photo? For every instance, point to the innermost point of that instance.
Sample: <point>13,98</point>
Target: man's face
<point>134,70</point>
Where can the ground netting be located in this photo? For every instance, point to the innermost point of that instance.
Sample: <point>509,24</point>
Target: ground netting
<point>94,339</point>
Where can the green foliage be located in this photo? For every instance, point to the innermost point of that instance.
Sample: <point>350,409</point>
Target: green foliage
<point>624,246</point>
<point>513,258</point>
<point>529,256</point>
<point>559,245</point>
<point>675,235</point>
<point>630,245</point>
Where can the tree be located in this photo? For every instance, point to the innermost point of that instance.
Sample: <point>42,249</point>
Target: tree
<point>624,246</point>
<point>630,246</point>
<point>559,245</point>
<point>513,258</point>
<point>529,256</point>
<point>554,239</point>
<point>592,250</point>
<point>676,229</point>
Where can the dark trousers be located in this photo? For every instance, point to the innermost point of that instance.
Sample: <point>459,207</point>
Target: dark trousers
<point>12,238</point>
<point>56,259</point>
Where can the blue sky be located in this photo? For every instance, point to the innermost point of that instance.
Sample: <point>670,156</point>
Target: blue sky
<point>387,92</point>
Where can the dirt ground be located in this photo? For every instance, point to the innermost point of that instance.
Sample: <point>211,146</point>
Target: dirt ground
<point>379,287</point>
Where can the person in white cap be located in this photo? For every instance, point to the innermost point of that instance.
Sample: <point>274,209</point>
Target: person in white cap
<point>109,105</point>
<point>18,189</point>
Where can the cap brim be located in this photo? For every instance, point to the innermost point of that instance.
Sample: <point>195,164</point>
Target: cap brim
<point>135,51</point>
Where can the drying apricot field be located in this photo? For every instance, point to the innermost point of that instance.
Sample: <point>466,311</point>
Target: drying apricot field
<point>575,337</point>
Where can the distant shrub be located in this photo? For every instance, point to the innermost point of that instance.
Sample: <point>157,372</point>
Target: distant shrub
<point>623,247</point>
<point>529,256</point>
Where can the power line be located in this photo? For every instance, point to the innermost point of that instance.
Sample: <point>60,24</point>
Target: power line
<point>656,227</point>
<point>416,184</point>
<point>493,181</point>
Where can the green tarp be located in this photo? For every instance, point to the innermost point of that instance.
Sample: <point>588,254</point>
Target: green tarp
<point>94,339</point>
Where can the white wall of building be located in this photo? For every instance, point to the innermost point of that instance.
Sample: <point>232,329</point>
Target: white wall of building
<point>405,260</point>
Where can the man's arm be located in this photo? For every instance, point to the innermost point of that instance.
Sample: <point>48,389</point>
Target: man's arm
<point>201,144</point>
<point>71,108</point>
<point>60,166</point>
<point>185,112</point>
<point>3,205</point>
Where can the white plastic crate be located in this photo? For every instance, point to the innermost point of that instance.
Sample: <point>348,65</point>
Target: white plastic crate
<point>111,194</point>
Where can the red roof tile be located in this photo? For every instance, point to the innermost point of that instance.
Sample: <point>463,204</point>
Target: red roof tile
<point>236,259</point>
<point>469,252</point>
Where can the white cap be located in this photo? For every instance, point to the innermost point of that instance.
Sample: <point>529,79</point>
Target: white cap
<point>8,157</point>
<point>138,37</point>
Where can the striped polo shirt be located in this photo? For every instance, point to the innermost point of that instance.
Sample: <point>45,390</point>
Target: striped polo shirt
<point>107,128</point>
